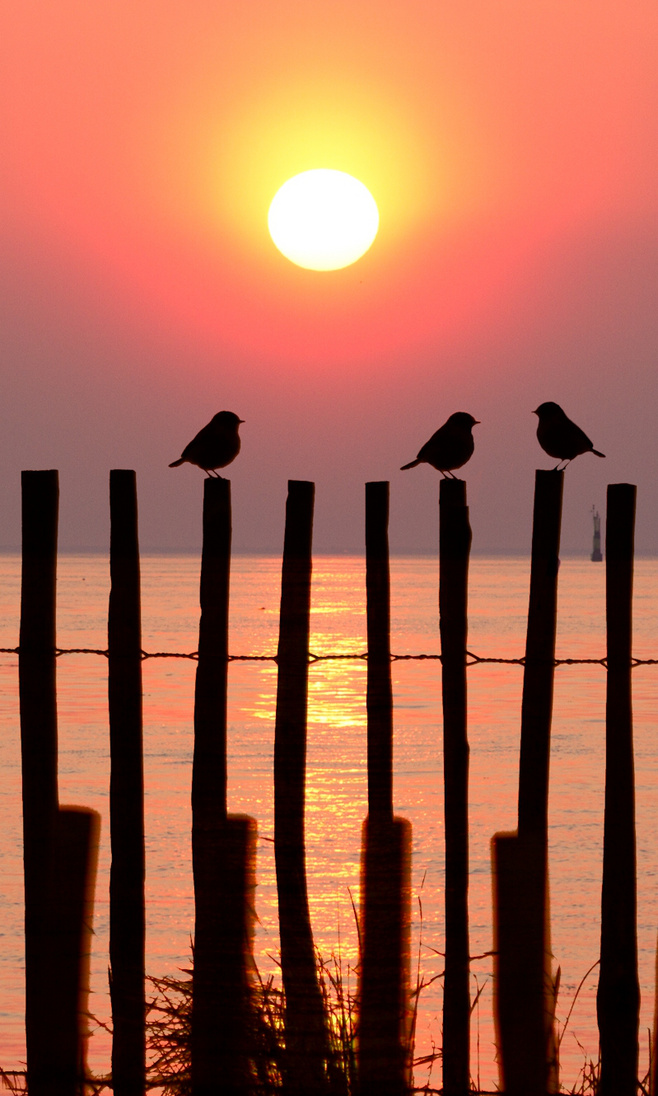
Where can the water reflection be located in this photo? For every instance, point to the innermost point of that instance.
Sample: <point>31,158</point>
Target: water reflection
<point>336,793</point>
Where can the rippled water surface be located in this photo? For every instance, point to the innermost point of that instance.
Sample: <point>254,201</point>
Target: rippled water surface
<point>336,792</point>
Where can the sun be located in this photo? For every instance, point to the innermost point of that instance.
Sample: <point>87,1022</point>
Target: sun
<point>323,219</point>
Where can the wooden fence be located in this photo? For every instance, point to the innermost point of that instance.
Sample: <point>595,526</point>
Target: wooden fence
<point>60,842</point>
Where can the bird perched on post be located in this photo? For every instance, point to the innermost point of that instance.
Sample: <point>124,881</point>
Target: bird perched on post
<point>450,447</point>
<point>559,436</point>
<point>215,446</point>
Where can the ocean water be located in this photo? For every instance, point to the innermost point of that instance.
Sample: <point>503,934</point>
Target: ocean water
<point>336,786</point>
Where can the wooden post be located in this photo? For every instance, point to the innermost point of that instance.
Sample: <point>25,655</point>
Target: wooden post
<point>539,671</point>
<point>223,960</point>
<point>209,774</point>
<point>306,1037</point>
<point>127,909</point>
<point>384,1015</point>
<point>379,697</point>
<point>38,713</point>
<point>519,935</point>
<point>454,550</point>
<point>384,1068</point>
<point>223,846</point>
<point>618,997</point>
<point>521,924</point>
<point>76,854</point>
<point>60,844</point>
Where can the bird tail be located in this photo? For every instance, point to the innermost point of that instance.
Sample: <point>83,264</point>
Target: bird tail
<point>597,454</point>
<point>175,463</point>
<point>412,464</point>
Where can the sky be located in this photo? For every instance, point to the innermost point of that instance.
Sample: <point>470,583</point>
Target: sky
<point>512,151</point>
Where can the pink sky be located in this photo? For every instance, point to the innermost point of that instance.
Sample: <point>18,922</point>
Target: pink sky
<point>512,151</point>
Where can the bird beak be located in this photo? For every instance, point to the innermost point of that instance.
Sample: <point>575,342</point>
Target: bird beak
<point>536,412</point>
<point>241,420</point>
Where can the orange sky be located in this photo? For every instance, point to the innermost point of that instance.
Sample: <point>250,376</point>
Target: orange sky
<point>509,146</point>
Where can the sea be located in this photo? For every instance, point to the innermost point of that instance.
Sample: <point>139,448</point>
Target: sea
<point>336,803</point>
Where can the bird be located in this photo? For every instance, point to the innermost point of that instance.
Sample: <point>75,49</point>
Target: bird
<point>450,447</point>
<point>559,436</point>
<point>215,446</point>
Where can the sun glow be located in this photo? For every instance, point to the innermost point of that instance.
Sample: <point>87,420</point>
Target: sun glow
<point>323,219</point>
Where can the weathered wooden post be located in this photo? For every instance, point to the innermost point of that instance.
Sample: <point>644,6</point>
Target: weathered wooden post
<point>618,997</point>
<point>127,910</point>
<point>306,1035</point>
<point>38,714</point>
<point>454,551</point>
<point>223,845</point>
<point>525,998</point>
<point>384,1066</point>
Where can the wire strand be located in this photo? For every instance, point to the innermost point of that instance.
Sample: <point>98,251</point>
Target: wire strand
<point>471,658</point>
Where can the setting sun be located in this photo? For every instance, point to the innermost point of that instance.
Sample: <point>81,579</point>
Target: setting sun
<point>323,219</point>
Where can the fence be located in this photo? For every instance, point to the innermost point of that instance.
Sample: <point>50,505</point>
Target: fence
<point>59,842</point>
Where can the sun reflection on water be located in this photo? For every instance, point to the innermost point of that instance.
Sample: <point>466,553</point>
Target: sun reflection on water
<point>336,803</point>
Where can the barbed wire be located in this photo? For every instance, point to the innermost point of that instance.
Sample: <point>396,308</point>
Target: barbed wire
<point>471,658</point>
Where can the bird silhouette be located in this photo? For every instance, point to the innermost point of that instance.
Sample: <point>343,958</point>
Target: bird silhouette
<point>215,446</point>
<point>450,447</point>
<point>559,436</point>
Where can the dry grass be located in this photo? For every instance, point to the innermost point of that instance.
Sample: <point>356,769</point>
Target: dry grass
<point>168,1029</point>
